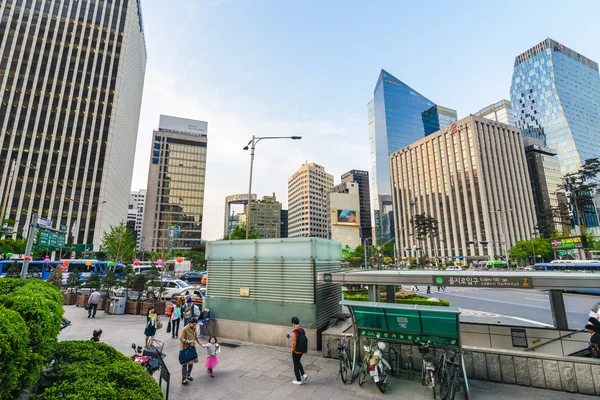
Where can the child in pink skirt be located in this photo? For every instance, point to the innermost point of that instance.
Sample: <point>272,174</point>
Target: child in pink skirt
<point>212,347</point>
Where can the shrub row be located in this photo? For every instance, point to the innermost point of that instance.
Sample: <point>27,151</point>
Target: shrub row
<point>30,316</point>
<point>94,371</point>
<point>423,301</point>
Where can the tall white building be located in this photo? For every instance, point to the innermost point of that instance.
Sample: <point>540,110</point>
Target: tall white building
<point>501,111</point>
<point>135,214</point>
<point>472,178</point>
<point>71,81</point>
<point>344,201</point>
<point>308,198</point>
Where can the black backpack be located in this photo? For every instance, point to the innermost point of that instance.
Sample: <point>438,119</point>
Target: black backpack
<point>301,343</point>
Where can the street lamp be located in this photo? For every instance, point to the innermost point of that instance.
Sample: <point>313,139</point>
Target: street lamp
<point>250,146</point>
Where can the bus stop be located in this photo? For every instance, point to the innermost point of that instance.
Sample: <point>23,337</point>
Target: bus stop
<point>401,323</point>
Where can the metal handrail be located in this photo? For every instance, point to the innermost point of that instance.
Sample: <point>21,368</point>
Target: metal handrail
<point>554,340</point>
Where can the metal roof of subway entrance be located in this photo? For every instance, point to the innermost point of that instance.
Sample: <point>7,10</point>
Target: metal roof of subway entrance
<point>489,279</point>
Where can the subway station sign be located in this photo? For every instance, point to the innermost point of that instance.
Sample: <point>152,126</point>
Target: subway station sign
<point>577,242</point>
<point>514,282</point>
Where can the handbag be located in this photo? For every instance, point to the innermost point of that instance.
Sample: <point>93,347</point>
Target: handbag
<point>187,355</point>
<point>169,327</point>
<point>159,324</point>
<point>87,307</point>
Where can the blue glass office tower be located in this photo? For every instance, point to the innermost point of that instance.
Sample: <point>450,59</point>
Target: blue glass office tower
<point>398,116</point>
<point>557,90</point>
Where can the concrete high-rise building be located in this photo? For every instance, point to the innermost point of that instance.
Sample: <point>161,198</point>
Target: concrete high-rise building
<point>175,191</point>
<point>501,111</point>
<point>308,198</point>
<point>265,217</point>
<point>284,223</point>
<point>71,81</point>
<point>398,115</point>
<point>364,194</point>
<point>344,204</point>
<point>232,220</point>
<point>555,89</point>
<point>472,178</point>
<point>135,214</point>
<point>438,117</point>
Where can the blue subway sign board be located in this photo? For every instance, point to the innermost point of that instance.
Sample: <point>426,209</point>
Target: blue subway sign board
<point>514,282</point>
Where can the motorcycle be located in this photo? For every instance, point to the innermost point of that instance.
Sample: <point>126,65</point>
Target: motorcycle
<point>148,357</point>
<point>379,368</point>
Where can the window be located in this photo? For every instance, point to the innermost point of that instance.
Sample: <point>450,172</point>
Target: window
<point>519,337</point>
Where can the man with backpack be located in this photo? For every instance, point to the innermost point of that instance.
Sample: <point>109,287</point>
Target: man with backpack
<point>190,310</point>
<point>299,347</point>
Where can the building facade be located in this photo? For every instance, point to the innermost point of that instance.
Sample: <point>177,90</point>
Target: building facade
<point>397,116</point>
<point>232,220</point>
<point>438,117</point>
<point>265,217</point>
<point>284,223</point>
<point>344,202</point>
<point>364,194</point>
<point>472,178</point>
<point>501,111</point>
<point>308,197</point>
<point>135,214</point>
<point>175,191</point>
<point>71,82</point>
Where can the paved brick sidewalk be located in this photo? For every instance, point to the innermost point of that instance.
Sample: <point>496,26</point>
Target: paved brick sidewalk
<point>252,371</point>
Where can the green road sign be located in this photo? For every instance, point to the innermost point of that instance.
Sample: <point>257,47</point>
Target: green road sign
<point>515,282</point>
<point>387,335</point>
<point>50,239</point>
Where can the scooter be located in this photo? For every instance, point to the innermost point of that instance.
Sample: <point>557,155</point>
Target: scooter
<point>147,358</point>
<point>379,368</point>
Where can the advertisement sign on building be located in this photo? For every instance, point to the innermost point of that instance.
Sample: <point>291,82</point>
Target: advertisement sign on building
<point>347,217</point>
<point>577,242</point>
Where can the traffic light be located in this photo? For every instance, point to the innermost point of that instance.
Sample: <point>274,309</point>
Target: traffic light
<point>484,243</point>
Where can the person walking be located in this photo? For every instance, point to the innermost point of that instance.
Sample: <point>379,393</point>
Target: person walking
<point>594,343</point>
<point>188,339</point>
<point>96,335</point>
<point>299,347</point>
<point>190,310</point>
<point>93,303</point>
<point>175,318</point>
<point>151,321</point>
<point>212,347</point>
<point>428,289</point>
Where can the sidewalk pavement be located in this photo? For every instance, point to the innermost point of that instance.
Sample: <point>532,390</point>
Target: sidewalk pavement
<point>250,371</point>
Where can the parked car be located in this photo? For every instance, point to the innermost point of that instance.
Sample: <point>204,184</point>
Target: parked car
<point>173,287</point>
<point>197,295</point>
<point>454,268</point>
<point>193,277</point>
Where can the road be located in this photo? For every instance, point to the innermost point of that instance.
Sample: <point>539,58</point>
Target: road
<point>514,306</point>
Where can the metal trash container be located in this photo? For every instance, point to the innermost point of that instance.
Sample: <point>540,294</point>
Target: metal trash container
<point>117,305</point>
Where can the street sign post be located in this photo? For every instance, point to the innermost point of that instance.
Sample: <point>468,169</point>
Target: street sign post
<point>51,239</point>
<point>509,282</point>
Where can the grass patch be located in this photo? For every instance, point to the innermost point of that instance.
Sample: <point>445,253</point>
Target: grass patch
<point>402,297</point>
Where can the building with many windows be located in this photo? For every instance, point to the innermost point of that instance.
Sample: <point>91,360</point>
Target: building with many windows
<point>308,197</point>
<point>232,220</point>
<point>71,82</point>
<point>175,192</point>
<point>284,223</point>
<point>135,214</point>
<point>438,117</point>
<point>265,217</point>
<point>362,180</point>
<point>344,204</point>
<point>472,178</point>
<point>500,112</point>
<point>398,115</point>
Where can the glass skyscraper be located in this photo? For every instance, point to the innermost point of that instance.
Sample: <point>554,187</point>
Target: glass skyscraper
<point>558,90</point>
<point>398,116</point>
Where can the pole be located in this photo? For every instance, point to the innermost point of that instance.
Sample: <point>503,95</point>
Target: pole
<point>366,245</point>
<point>250,190</point>
<point>533,249</point>
<point>32,232</point>
<point>7,192</point>
<point>503,215</point>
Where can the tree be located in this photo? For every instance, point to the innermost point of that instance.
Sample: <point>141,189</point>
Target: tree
<point>425,227</point>
<point>13,246</point>
<point>118,243</point>
<point>94,282</point>
<point>580,187</point>
<point>546,223</point>
<point>524,249</point>
<point>73,280</point>
<point>562,215</point>
<point>109,281</point>
<point>55,277</point>
<point>239,233</point>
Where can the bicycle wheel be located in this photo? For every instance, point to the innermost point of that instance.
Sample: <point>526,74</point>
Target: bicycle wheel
<point>444,382</point>
<point>410,373</point>
<point>433,384</point>
<point>362,374</point>
<point>345,368</point>
<point>382,382</point>
<point>453,387</point>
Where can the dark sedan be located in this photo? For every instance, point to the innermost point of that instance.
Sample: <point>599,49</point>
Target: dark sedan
<point>193,277</point>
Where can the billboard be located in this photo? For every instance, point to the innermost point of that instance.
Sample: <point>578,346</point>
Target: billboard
<point>577,242</point>
<point>347,217</point>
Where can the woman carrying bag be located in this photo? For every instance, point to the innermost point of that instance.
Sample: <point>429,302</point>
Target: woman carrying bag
<point>187,353</point>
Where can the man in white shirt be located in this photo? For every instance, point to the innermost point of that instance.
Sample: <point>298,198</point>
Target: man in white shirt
<point>93,303</point>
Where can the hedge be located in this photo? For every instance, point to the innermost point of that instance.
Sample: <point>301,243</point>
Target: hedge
<point>36,306</point>
<point>423,301</point>
<point>94,371</point>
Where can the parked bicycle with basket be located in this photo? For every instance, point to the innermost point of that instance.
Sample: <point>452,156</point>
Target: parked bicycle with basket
<point>345,363</point>
<point>428,378</point>
<point>375,365</point>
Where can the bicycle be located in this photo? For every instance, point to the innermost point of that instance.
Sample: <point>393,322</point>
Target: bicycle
<point>450,385</point>
<point>364,367</point>
<point>345,364</point>
<point>408,365</point>
<point>427,369</point>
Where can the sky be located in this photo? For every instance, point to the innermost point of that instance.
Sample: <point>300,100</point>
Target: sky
<point>283,68</point>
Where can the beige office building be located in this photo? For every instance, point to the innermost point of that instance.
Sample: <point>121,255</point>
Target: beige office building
<point>472,177</point>
<point>344,202</point>
<point>308,197</point>
<point>265,217</point>
<point>175,192</point>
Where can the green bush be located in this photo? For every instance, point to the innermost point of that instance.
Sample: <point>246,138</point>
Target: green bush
<point>419,300</point>
<point>89,370</point>
<point>15,350</point>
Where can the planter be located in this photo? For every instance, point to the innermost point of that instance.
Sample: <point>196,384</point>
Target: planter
<point>82,300</point>
<point>132,307</point>
<point>70,298</point>
<point>160,307</point>
<point>103,303</point>
<point>145,306</point>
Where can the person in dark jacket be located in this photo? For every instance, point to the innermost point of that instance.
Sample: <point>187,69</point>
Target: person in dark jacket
<point>594,343</point>
<point>301,377</point>
<point>96,335</point>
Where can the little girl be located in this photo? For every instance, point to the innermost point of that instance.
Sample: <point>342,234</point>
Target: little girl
<point>212,347</point>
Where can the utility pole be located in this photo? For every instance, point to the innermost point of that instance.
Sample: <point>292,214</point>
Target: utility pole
<point>366,246</point>
<point>33,227</point>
